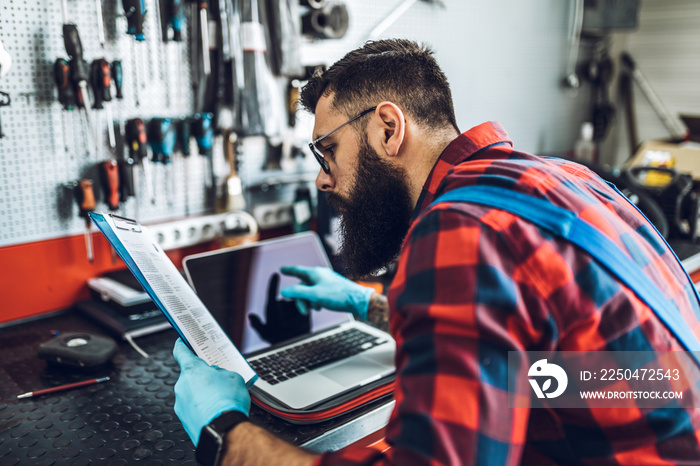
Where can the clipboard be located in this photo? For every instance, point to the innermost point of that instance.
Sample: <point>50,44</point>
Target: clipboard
<point>172,294</point>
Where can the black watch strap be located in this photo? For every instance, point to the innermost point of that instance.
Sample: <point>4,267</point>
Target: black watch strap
<point>212,438</point>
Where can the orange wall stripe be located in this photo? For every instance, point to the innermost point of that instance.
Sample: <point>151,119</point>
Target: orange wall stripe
<point>49,275</point>
<point>45,276</point>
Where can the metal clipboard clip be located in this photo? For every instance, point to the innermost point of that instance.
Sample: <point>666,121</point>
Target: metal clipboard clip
<point>127,224</point>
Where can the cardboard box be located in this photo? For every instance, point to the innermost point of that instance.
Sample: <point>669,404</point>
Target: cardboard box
<point>684,157</point>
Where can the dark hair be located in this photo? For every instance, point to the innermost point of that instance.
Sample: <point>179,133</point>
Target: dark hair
<point>397,70</point>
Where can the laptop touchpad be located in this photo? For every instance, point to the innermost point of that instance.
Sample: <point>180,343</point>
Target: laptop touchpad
<point>352,372</point>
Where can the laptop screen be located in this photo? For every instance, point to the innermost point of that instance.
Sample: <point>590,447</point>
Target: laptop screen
<point>240,287</point>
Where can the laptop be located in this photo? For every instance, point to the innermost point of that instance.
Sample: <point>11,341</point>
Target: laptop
<point>302,362</point>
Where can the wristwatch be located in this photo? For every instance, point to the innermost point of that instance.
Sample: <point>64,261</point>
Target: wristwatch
<point>212,438</point>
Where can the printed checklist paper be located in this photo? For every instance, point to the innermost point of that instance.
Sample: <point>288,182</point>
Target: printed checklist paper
<point>171,293</point>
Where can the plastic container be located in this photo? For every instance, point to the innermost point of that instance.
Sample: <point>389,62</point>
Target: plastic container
<point>584,149</point>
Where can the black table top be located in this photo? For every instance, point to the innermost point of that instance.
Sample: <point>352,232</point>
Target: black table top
<point>126,420</point>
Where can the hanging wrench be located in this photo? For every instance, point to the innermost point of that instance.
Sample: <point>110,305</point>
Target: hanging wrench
<point>395,15</point>
<point>571,79</point>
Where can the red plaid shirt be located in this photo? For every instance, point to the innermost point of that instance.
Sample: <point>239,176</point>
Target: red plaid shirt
<point>474,283</point>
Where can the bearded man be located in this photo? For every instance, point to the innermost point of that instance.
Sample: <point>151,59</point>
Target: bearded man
<point>473,282</point>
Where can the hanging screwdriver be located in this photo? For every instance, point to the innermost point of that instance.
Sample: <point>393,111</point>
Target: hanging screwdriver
<point>126,178</point>
<point>183,143</point>
<point>161,138</point>
<point>126,164</point>
<point>135,135</point>
<point>204,29</point>
<point>158,20</point>
<point>85,198</point>
<point>109,177</point>
<point>69,96</point>
<point>175,17</point>
<point>100,23</point>
<point>193,23</point>
<point>200,18</point>
<point>184,135</point>
<point>203,133</point>
<point>66,92</point>
<point>164,11</point>
<point>135,11</point>
<point>79,74</point>
<point>95,85</point>
<point>109,172</point>
<point>126,171</point>
<point>84,126</point>
<point>101,80</point>
<point>118,79</point>
<point>155,137</point>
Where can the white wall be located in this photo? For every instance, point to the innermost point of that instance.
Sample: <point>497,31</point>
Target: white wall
<point>505,60</point>
<point>666,48</point>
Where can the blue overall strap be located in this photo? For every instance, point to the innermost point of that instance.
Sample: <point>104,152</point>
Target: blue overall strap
<point>564,223</point>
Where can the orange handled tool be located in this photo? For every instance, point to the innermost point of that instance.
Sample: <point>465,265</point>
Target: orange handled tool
<point>86,202</point>
<point>110,181</point>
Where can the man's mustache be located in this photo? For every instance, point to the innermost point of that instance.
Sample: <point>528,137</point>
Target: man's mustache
<point>337,202</point>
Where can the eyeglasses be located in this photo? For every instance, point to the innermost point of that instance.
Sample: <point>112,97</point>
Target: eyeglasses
<point>320,158</point>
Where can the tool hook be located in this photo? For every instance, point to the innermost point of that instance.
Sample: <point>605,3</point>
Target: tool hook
<point>4,102</point>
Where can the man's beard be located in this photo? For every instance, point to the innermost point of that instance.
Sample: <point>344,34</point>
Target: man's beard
<point>376,216</point>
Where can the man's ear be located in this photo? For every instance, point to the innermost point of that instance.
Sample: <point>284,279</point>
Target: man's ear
<point>388,129</point>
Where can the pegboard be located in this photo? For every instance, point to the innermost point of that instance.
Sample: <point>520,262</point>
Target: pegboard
<point>46,149</point>
<point>504,59</point>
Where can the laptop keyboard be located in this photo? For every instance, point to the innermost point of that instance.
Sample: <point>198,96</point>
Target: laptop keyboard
<point>300,359</point>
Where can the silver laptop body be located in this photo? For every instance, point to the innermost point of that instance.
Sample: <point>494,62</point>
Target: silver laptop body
<point>235,283</point>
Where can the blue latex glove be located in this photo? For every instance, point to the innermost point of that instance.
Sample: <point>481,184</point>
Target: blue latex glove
<point>202,392</point>
<point>322,287</point>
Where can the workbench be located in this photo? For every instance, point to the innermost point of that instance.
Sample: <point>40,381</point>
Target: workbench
<point>128,419</point>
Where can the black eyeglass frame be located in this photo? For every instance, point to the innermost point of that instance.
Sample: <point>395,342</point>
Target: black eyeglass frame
<point>312,145</point>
